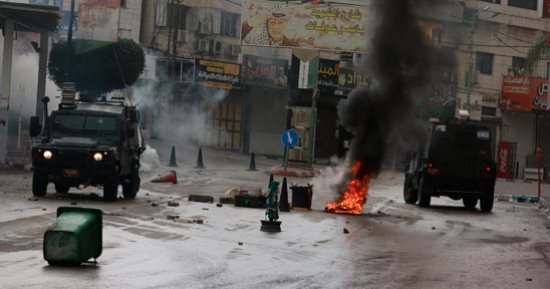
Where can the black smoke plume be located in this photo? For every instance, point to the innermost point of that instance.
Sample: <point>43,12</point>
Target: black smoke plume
<point>400,62</point>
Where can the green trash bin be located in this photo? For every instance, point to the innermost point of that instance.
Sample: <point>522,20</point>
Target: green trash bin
<point>75,237</point>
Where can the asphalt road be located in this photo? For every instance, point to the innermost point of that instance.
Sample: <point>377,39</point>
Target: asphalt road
<point>391,245</point>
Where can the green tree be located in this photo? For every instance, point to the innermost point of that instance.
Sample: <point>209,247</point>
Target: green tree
<point>96,67</point>
<point>536,53</point>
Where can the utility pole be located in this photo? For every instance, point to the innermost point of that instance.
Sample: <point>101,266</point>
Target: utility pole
<point>69,53</point>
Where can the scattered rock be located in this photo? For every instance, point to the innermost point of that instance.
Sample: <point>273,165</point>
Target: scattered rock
<point>43,209</point>
<point>346,231</point>
<point>240,243</point>
<point>154,204</point>
<point>74,203</point>
<point>201,199</point>
<point>34,199</point>
<point>205,209</point>
<point>124,208</point>
<point>219,205</point>
<point>147,194</point>
<point>200,221</point>
<point>173,204</point>
<point>148,201</point>
<point>172,217</point>
<point>433,228</point>
<point>528,279</point>
<point>227,200</point>
<point>347,222</point>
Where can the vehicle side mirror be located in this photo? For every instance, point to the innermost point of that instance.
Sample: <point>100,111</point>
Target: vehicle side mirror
<point>131,133</point>
<point>35,126</point>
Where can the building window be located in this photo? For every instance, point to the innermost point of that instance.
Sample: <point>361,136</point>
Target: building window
<point>492,1</point>
<point>527,4</point>
<point>177,70</point>
<point>229,23</point>
<point>484,62</point>
<point>177,15</point>
<point>488,111</point>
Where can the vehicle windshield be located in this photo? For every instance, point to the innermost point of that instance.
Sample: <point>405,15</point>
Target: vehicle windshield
<point>448,141</point>
<point>102,128</point>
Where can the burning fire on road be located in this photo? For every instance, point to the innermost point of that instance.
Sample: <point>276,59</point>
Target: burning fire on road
<point>352,200</point>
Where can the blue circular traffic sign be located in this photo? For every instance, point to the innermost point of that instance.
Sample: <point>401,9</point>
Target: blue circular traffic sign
<point>289,137</point>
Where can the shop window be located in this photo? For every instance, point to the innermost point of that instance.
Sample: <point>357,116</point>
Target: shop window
<point>526,4</point>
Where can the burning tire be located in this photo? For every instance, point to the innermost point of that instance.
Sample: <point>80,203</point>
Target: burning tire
<point>409,194</point>
<point>39,185</point>
<point>469,202</point>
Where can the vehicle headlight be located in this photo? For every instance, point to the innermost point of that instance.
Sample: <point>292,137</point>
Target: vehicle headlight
<point>98,157</point>
<point>47,155</point>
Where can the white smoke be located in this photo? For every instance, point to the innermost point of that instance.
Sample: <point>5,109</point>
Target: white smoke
<point>149,159</point>
<point>327,183</point>
<point>24,78</point>
<point>181,117</point>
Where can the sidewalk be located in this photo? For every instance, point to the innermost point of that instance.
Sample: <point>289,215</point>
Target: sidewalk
<point>509,188</point>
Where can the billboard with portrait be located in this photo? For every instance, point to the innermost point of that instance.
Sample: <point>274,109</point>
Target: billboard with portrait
<point>265,71</point>
<point>338,26</point>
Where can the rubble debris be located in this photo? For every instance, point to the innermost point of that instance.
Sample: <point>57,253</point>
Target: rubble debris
<point>154,204</point>
<point>201,199</point>
<point>525,199</point>
<point>205,209</point>
<point>528,279</point>
<point>227,200</point>
<point>219,205</point>
<point>34,199</point>
<point>240,243</point>
<point>433,228</point>
<point>199,221</point>
<point>173,204</point>
<point>172,217</point>
<point>346,231</point>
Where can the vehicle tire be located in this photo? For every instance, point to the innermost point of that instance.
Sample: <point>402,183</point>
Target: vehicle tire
<point>424,194</point>
<point>487,199</point>
<point>469,202</point>
<point>409,194</point>
<point>61,188</point>
<point>130,187</point>
<point>39,185</point>
<point>110,190</point>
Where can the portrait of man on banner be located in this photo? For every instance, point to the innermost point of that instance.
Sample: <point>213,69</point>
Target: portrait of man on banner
<point>268,28</point>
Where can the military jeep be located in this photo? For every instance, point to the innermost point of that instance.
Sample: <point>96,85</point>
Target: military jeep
<point>87,144</point>
<point>456,161</point>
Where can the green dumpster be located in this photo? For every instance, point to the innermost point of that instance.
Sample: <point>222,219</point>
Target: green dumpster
<point>75,236</point>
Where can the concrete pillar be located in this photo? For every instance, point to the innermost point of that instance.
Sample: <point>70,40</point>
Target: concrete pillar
<point>5,89</point>
<point>42,66</point>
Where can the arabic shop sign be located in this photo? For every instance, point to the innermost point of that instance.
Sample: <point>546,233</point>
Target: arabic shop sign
<point>217,74</point>
<point>328,73</point>
<point>350,78</point>
<point>294,24</point>
<point>264,71</point>
<point>517,93</point>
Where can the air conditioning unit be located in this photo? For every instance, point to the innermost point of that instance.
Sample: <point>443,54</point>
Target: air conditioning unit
<point>205,28</point>
<point>183,35</point>
<point>203,45</point>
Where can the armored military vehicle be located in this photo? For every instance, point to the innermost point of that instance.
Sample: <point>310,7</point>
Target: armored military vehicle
<point>455,161</point>
<point>87,144</point>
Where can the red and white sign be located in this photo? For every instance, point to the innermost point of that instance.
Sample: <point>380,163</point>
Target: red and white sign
<point>506,159</point>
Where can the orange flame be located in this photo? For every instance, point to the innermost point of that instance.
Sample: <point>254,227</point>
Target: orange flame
<point>351,201</point>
